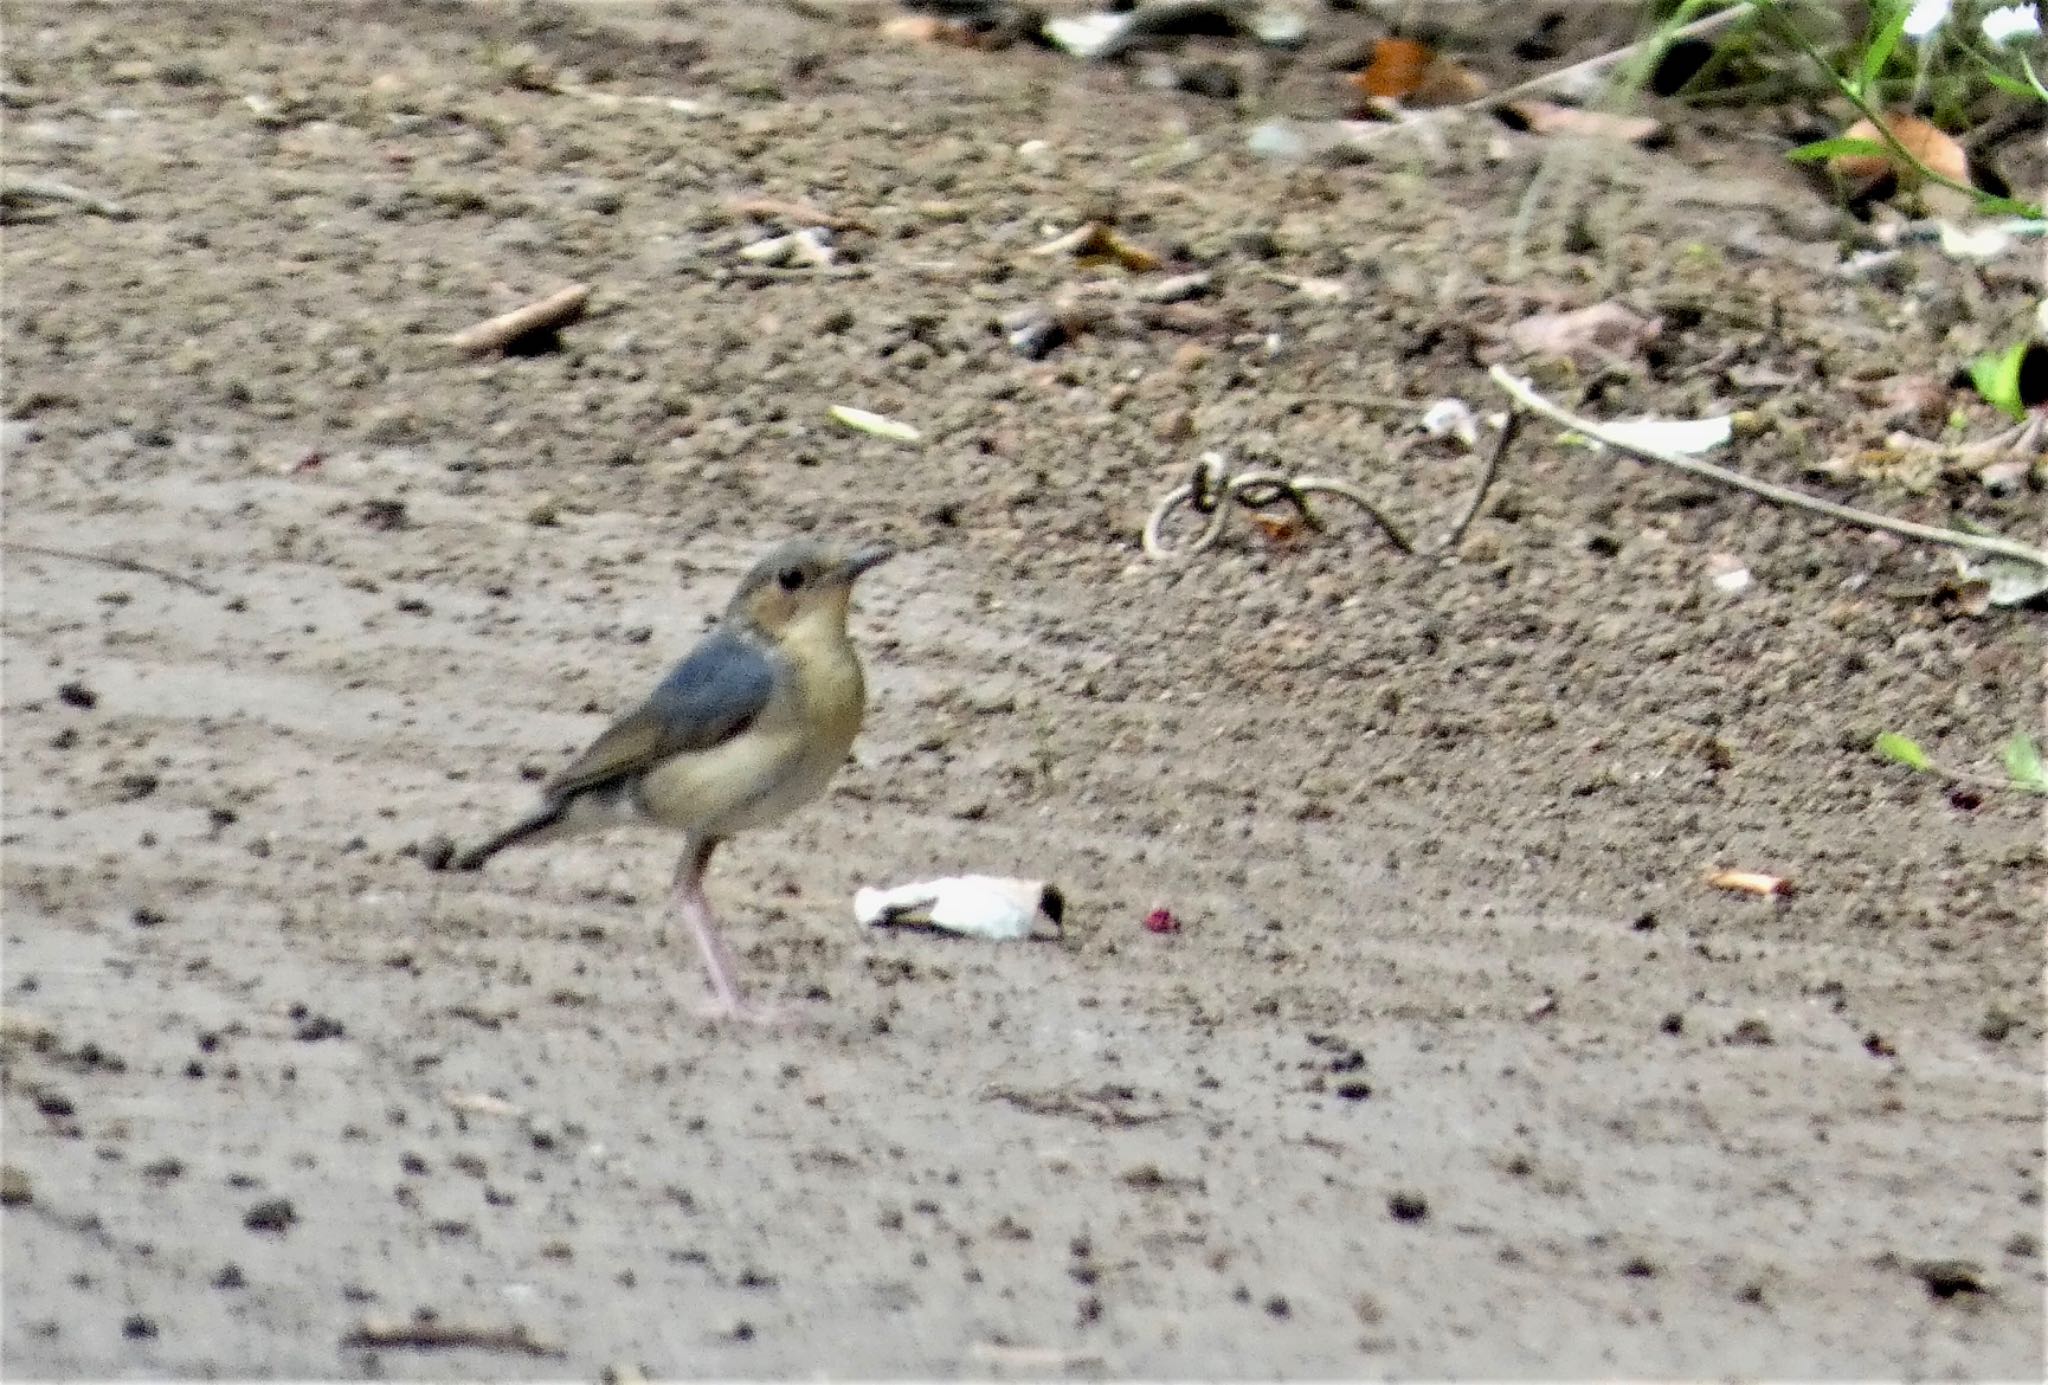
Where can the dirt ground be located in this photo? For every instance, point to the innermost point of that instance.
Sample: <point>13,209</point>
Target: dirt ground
<point>1456,1066</point>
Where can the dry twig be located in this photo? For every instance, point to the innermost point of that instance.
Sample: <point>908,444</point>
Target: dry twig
<point>434,1335</point>
<point>497,333</point>
<point>1520,391</point>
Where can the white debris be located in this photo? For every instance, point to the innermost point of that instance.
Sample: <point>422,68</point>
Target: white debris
<point>874,424</point>
<point>1684,437</point>
<point>1277,138</point>
<point>1087,35</point>
<point>1038,154</point>
<point>1452,418</point>
<point>979,906</point>
<point>1277,26</point>
<point>775,250</point>
<point>1728,573</point>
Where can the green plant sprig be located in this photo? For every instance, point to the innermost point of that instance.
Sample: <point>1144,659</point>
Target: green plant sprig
<point>2024,770</point>
<point>1855,92</point>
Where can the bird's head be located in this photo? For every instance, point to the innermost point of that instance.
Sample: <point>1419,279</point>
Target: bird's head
<point>802,585</point>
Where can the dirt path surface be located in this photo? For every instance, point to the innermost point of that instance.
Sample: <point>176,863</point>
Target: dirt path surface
<point>1456,1066</point>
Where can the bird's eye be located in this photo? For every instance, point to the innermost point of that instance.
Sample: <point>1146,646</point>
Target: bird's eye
<point>791,578</point>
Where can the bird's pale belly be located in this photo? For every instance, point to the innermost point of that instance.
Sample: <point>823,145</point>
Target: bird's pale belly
<point>770,771</point>
<point>750,782</point>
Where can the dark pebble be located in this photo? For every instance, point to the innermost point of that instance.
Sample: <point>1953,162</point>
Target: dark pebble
<point>272,1214</point>
<point>1405,1206</point>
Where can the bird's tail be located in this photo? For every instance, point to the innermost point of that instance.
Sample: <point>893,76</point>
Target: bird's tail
<point>541,826</point>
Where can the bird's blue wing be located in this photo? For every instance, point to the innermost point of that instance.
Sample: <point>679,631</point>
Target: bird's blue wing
<point>706,700</point>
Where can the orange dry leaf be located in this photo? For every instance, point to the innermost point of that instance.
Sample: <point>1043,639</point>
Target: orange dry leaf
<point>1396,68</point>
<point>1920,139</point>
<point>1279,529</point>
<point>1750,882</point>
<point>1416,74</point>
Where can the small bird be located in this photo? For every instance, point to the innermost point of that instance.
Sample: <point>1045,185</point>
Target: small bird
<point>748,728</point>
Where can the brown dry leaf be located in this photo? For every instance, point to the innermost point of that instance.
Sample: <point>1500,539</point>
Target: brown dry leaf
<point>1278,529</point>
<point>1396,68</point>
<point>1922,140</point>
<point>1549,118</point>
<point>1905,398</point>
<point>1750,882</point>
<point>1095,244</point>
<point>1446,83</point>
<point>1603,331</point>
<point>1416,75</point>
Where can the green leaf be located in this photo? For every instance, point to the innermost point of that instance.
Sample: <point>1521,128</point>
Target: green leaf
<point>2023,763</point>
<point>1839,148</point>
<point>2011,86</point>
<point>1897,748</point>
<point>1883,46</point>
<point>1997,378</point>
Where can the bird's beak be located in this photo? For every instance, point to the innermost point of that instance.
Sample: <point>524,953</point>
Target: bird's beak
<point>865,559</point>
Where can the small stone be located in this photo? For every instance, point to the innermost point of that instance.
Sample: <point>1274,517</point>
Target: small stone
<point>272,1215</point>
<point>1407,1206</point>
<point>437,851</point>
<point>137,1328</point>
<point>1277,139</point>
<point>385,514</point>
<point>14,1187</point>
<point>1947,1278</point>
<point>545,512</point>
<point>78,695</point>
<point>1217,80</point>
<point>1754,1032</point>
<point>1997,1025</point>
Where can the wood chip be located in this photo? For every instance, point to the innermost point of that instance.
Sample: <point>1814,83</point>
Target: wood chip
<point>1750,882</point>
<point>500,332</point>
<point>1549,118</point>
<point>480,1104</point>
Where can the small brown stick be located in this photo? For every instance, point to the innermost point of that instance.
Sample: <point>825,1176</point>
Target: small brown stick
<point>1508,428</point>
<point>1521,392</point>
<point>19,192</point>
<point>497,333</point>
<point>441,1336</point>
<point>118,564</point>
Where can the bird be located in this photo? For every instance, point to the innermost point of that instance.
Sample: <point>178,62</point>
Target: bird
<point>749,727</point>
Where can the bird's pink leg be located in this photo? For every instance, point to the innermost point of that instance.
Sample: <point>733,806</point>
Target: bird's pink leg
<point>695,906</point>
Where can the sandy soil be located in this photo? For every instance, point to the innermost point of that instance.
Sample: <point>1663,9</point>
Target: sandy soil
<point>1456,1067</point>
